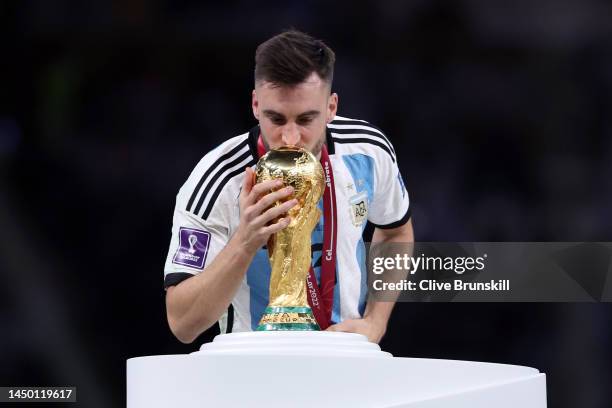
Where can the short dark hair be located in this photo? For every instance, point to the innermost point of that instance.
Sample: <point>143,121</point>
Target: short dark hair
<point>290,57</point>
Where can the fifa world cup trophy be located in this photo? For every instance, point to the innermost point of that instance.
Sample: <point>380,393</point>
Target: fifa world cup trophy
<point>290,249</point>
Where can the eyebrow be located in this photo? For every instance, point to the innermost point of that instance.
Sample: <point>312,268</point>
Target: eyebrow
<point>310,113</point>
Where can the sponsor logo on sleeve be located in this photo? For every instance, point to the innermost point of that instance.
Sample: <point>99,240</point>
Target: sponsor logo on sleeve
<point>193,248</point>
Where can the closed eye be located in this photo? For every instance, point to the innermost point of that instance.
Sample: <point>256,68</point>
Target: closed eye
<point>304,121</point>
<point>306,118</point>
<point>275,117</point>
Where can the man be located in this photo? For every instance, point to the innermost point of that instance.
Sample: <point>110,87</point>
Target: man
<point>222,220</point>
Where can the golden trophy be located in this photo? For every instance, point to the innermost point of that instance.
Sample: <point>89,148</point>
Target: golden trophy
<point>289,250</point>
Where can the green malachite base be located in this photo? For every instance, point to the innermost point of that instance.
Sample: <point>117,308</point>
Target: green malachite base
<point>288,318</point>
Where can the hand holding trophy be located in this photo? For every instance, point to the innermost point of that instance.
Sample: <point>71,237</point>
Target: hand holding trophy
<point>290,249</point>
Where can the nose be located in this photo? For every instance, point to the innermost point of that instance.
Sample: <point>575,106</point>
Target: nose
<point>290,134</point>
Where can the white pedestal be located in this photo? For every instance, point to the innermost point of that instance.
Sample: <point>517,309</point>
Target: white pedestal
<point>322,369</point>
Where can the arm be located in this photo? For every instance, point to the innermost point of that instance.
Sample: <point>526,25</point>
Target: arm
<point>196,303</point>
<point>374,322</point>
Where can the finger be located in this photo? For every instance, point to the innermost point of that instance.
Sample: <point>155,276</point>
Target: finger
<point>277,226</point>
<point>269,199</point>
<point>274,212</point>
<point>263,188</point>
<point>248,182</point>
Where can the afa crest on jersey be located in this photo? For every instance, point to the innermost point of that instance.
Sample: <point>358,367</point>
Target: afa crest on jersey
<point>359,208</point>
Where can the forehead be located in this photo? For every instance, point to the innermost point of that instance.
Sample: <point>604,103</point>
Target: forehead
<point>312,91</point>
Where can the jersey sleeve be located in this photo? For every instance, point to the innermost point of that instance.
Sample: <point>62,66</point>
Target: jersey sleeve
<point>390,207</point>
<point>195,241</point>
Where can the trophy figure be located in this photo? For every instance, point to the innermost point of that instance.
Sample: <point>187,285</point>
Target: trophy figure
<point>289,250</point>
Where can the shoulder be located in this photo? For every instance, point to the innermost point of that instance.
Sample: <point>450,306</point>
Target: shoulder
<point>359,136</point>
<point>218,173</point>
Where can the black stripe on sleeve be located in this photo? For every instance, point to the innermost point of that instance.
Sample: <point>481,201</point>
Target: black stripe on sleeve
<point>355,123</point>
<point>379,134</point>
<point>173,279</point>
<point>396,224</point>
<point>222,184</point>
<point>363,140</point>
<point>350,122</point>
<point>357,132</point>
<point>212,168</point>
<point>227,166</point>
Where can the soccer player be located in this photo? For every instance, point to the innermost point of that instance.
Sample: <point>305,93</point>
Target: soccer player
<point>222,220</point>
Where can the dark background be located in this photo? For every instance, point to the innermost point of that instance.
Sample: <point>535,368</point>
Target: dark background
<point>500,113</point>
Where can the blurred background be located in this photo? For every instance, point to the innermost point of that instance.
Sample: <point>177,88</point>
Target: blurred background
<point>500,113</point>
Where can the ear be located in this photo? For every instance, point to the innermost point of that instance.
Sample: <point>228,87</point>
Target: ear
<point>255,104</point>
<point>332,107</point>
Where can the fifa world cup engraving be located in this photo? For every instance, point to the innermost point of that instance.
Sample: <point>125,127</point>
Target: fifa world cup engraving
<point>290,249</point>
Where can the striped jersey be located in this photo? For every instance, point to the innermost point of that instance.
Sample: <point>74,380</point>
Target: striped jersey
<point>369,188</point>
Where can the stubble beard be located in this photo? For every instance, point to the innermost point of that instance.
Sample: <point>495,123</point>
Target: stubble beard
<point>316,150</point>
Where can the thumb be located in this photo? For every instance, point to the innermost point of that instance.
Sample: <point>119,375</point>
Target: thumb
<point>332,328</point>
<point>340,327</point>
